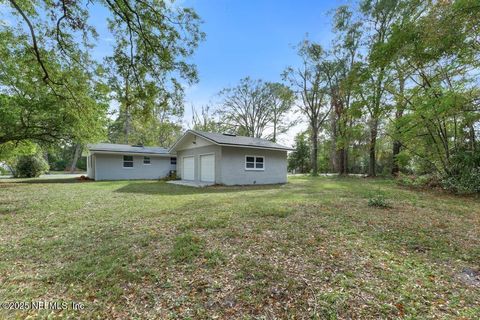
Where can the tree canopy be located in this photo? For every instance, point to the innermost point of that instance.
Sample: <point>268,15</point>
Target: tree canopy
<point>53,90</point>
<point>401,80</point>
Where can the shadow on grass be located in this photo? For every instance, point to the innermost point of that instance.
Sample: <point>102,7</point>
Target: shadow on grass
<point>46,180</point>
<point>162,188</point>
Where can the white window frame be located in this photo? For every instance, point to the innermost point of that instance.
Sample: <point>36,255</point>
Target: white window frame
<point>254,163</point>
<point>123,161</point>
<point>149,161</point>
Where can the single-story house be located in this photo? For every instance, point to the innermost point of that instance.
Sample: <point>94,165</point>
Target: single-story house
<point>199,157</point>
<point>107,161</point>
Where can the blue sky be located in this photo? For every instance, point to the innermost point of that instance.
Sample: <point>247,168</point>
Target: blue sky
<point>253,38</point>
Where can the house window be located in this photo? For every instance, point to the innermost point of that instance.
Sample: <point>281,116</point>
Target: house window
<point>128,161</point>
<point>254,163</point>
<point>146,160</point>
<point>173,160</point>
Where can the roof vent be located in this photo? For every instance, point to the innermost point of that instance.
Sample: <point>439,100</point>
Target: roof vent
<point>230,134</point>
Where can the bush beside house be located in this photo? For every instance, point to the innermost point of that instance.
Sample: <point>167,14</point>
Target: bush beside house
<point>30,166</point>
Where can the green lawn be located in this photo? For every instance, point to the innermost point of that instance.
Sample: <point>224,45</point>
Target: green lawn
<point>313,248</point>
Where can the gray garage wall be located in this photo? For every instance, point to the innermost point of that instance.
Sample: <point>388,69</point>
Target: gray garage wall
<point>233,166</point>
<point>196,152</point>
<point>230,165</point>
<point>110,167</point>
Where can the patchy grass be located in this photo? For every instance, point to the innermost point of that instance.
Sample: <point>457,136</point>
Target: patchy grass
<point>186,248</point>
<point>313,248</point>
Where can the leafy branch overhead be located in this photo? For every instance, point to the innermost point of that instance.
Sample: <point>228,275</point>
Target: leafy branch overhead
<point>52,41</point>
<point>157,35</point>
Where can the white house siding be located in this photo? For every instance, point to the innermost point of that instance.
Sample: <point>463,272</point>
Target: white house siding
<point>110,167</point>
<point>233,170</point>
<point>196,152</point>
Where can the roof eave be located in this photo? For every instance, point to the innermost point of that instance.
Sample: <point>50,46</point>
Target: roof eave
<point>128,152</point>
<point>253,147</point>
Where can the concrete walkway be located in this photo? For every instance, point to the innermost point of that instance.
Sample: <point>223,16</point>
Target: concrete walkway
<point>191,183</point>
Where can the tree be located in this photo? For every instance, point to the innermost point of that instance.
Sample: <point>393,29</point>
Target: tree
<point>254,107</point>
<point>441,101</point>
<point>205,121</point>
<point>49,75</point>
<point>245,108</point>
<point>156,36</point>
<point>400,106</point>
<point>281,101</point>
<point>76,156</point>
<point>309,84</point>
<point>341,71</point>
<point>379,17</point>
<point>299,159</point>
<point>31,110</point>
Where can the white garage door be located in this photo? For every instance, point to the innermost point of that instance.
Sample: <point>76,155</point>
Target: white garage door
<point>207,168</point>
<point>188,171</point>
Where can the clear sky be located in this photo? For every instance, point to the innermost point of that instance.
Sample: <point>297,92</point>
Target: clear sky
<point>252,38</point>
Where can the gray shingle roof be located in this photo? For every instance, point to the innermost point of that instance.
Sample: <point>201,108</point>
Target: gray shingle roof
<point>111,147</point>
<point>227,139</point>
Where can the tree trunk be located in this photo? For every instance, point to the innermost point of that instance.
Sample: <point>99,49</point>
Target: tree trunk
<point>473,143</point>
<point>339,131</point>
<point>314,151</point>
<point>274,131</point>
<point>127,125</point>
<point>373,142</point>
<point>342,153</point>
<point>334,163</point>
<point>78,150</point>
<point>397,145</point>
<point>345,161</point>
<point>395,151</point>
<point>341,161</point>
<point>127,110</point>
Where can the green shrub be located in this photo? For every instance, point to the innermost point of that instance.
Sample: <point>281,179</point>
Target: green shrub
<point>464,173</point>
<point>172,175</point>
<point>463,183</point>
<point>426,180</point>
<point>378,201</point>
<point>30,166</point>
